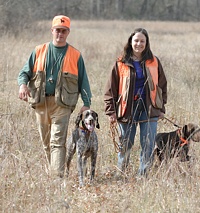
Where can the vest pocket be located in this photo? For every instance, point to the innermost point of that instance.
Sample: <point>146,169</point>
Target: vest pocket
<point>35,87</point>
<point>159,99</point>
<point>69,92</point>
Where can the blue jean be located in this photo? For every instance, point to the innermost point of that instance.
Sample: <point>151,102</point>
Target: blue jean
<point>148,130</point>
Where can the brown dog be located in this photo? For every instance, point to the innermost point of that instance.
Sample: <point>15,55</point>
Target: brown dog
<point>176,144</point>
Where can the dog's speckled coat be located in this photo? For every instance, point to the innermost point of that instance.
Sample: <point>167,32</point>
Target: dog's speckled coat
<point>85,143</point>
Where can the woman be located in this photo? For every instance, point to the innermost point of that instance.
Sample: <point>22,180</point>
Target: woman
<point>136,93</point>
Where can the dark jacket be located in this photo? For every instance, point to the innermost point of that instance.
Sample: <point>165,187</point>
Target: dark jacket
<point>112,93</point>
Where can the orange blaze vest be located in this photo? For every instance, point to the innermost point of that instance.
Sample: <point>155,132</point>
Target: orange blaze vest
<point>69,63</point>
<point>152,75</point>
<point>66,90</point>
<point>124,83</point>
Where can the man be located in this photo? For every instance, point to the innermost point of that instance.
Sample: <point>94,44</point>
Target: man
<point>51,81</point>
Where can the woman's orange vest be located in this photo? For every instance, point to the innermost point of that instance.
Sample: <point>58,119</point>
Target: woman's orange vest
<point>124,84</point>
<point>152,78</point>
<point>69,63</point>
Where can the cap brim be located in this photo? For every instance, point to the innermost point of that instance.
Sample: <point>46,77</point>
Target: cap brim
<point>61,27</point>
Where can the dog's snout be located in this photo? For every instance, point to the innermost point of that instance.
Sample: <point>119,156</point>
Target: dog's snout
<point>90,118</point>
<point>90,122</point>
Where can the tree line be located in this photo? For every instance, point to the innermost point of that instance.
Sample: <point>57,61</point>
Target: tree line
<point>21,13</point>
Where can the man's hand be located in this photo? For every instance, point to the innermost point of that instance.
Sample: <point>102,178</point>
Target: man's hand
<point>83,108</point>
<point>24,92</point>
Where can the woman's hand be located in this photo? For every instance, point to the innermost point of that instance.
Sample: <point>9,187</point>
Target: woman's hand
<point>161,116</point>
<point>113,118</point>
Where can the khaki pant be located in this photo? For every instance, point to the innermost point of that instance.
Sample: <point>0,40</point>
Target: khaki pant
<point>53,124</point>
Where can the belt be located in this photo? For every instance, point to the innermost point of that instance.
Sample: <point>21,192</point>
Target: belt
<point>49,95</point>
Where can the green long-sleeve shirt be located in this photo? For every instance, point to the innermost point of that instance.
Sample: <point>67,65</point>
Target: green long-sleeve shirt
<point>54,59</point>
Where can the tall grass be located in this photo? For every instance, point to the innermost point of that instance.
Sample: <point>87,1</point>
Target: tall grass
<point>25,184</point>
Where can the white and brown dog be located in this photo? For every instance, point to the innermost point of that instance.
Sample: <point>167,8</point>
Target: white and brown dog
<point>85,143</point>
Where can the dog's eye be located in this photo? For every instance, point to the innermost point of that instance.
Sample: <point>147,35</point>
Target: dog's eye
<point>94,115</point>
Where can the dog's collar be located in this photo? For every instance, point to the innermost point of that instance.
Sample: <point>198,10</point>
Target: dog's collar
<point>184,141</point>
<point>83,130</point>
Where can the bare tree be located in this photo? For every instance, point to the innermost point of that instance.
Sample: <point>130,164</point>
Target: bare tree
<point>119,5</point>
<point>197,8</point>
<point>28,11</point>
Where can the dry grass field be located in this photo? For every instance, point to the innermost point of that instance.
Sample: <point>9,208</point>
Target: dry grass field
<point>25,184</point>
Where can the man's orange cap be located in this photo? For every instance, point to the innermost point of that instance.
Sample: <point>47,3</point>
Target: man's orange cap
<point>61,22</point>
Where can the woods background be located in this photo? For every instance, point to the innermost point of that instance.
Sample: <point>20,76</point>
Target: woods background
<point>17,15</point>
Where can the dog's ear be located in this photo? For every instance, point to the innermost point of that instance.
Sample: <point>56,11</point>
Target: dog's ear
<point>97,121</point>
<point>78,119</point>
<point>184,130</point>
<point>187,130</point>
<point>192,131</point>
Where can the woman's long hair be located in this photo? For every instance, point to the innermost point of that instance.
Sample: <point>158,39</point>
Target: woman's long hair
<point>128,50</point>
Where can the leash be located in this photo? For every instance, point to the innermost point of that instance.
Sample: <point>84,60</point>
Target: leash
<point>172,122</point>
<point>114,132</point>
<point>143,121</point>
<point>184,141</point>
